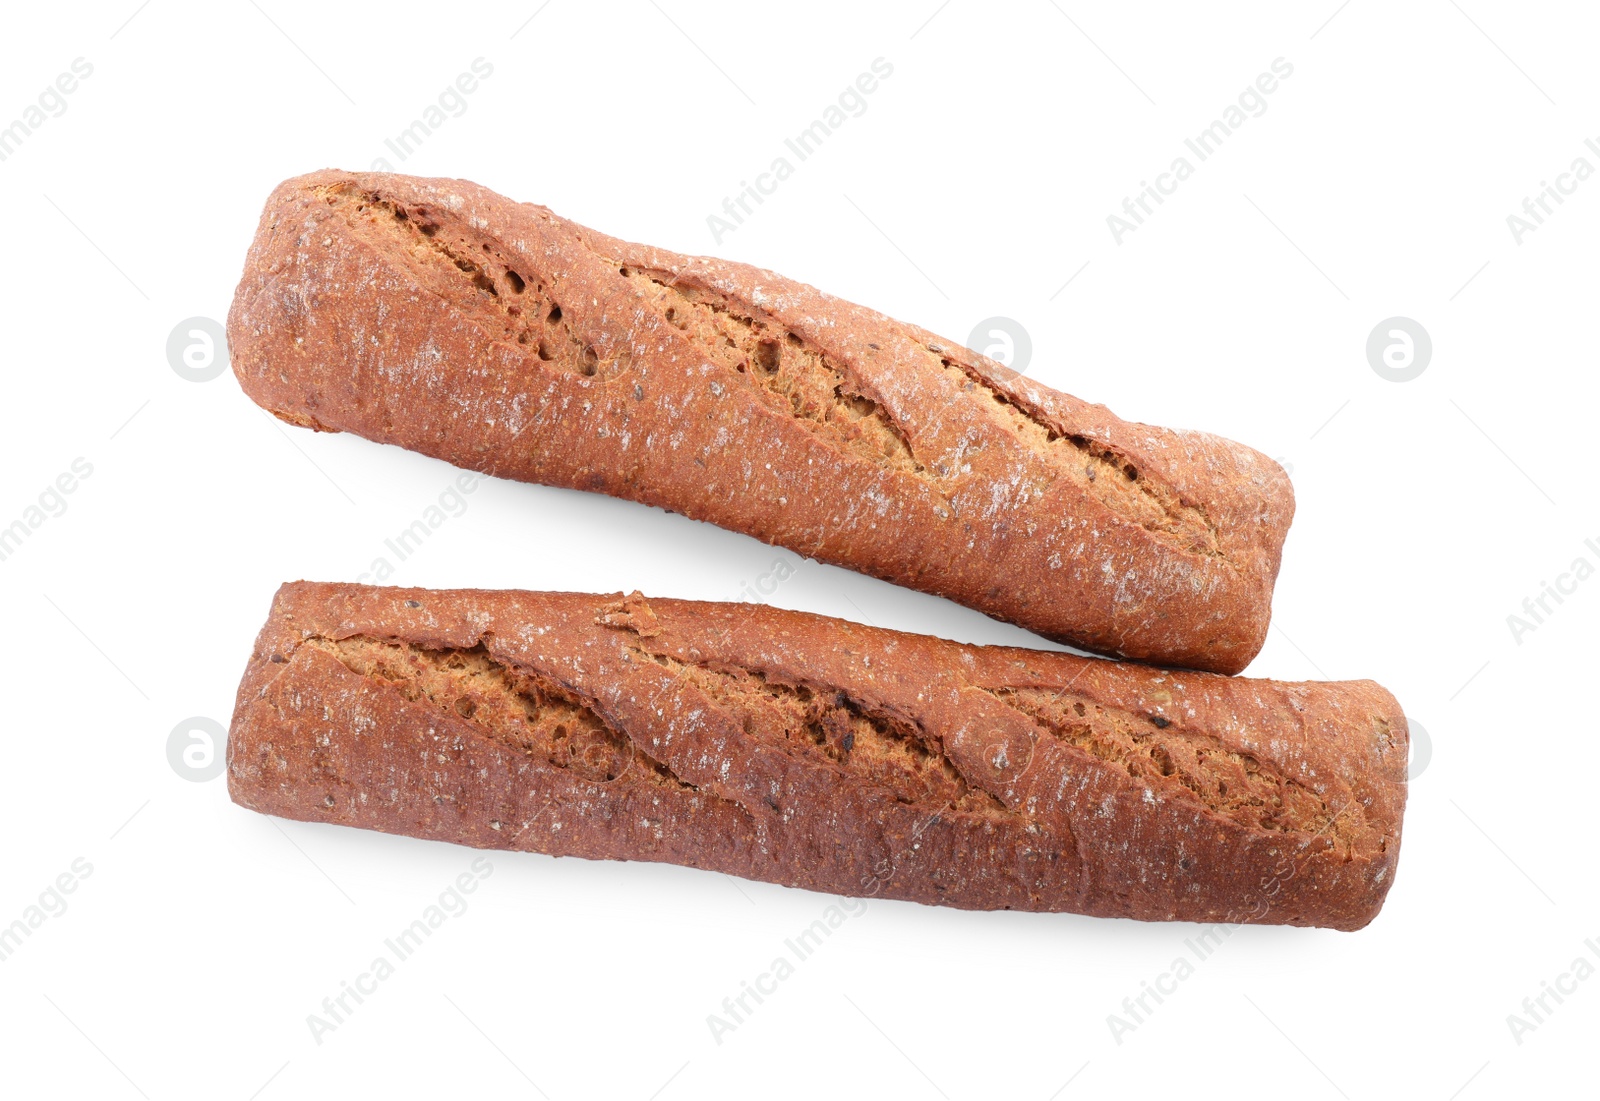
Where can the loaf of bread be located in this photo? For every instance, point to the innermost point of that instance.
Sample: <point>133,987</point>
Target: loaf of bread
<point>817,753</point>
<point>441,317</point>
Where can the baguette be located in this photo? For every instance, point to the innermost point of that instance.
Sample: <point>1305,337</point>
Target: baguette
<point>441,317</point>
<point>822,754</point>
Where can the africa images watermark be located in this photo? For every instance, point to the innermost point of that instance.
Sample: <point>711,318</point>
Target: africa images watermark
<point>767,582</point>
<point>736,1008</point>
<point>450,103</point>
<point>1004,340</point>
<point>1136,1008</point>
<point>1136,208</point>
<point>1537,208</point>
<point>197,349</point>
<point>1399,349</point>
<point>51,103</point>
<point>851,103</point>
<point>451,503</point>
<point>50,503</point>
<point>52,903</point>
<point>197,749</point>
<point>451,903</point>
<point>1538,608</point>
<point>1536,1008</point>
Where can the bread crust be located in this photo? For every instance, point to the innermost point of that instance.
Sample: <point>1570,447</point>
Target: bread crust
<point>443,318</point>
<point>818,753</point>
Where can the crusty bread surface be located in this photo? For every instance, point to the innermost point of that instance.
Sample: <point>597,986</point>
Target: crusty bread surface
<point>441,317</point>
<point>818,753</point>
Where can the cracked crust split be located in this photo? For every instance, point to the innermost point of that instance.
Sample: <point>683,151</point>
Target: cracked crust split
<point>818,753</point>
<point>438,316</point>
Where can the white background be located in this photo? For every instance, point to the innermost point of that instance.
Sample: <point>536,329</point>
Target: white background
<point>1377,183</point>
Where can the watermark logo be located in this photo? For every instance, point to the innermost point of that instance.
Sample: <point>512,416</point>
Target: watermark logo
<point>1252,103</point>
<point>1399,349</point>
<point>1537,1008</point>
<point>51,903</point>
<point>51,103</point>
<point>1004,340</point>
<point>50,503</point>
<point>450,103</point>
<point>1536,208</point>
<point>1541,606</point>
<point>452,902</point>
<point>766,584</point>
<point>195,749</point>
<point>1137,1008</point>
<point>737,1008</point>
<point>851,103</point>
<point>451,503</point>
<point>1421,749</point>
<point>197,349</point>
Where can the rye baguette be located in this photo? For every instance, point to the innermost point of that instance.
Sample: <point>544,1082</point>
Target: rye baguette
<point>822,754</point>
<point>443,318</point>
